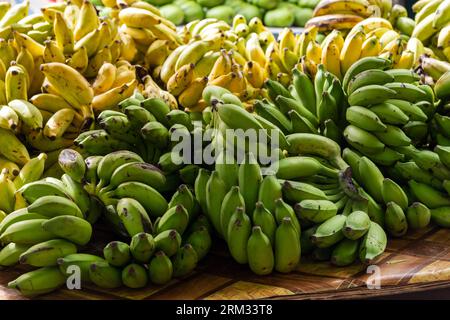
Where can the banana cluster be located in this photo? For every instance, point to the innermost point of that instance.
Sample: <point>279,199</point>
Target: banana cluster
<point>343,15</point>
<point>431,28</point>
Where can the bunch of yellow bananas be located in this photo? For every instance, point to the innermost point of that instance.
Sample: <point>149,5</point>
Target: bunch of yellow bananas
<point>343,15</point>
<point>370,37</point>
<point>213,53</point>
<point>432,26</point>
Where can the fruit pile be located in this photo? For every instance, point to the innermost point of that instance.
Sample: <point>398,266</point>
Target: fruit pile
<point>353,143</point>
<point>274,13</point>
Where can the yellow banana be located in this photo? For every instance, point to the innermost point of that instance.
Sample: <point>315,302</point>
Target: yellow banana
<point>254,74</point>
<point>128,47</point>
<point>138,18</point>
<point>193,93</point>
<point>87,20</point>
<point>68,82</point>
<point>314,52</point>
<point>110,98</point>
<point>157,53</point>
<point>370,47</point>
<point>63,34</point>
<point>95,63</point>
<point>79,60</point>
<point>16,83</point>
<point>406,60</point>
<point>12,148</point>
<point>330,59</point>
<point>351,50</point>
<point>124,74</point>
<point>23,40</point>
<point>181,79</point>
<point>49,102</point>
<point>52,52</point>
<point>105,78</point>
<point>25,59</point>
<point>90,41</point>
<point>58,123</point>
<point>286,39</point>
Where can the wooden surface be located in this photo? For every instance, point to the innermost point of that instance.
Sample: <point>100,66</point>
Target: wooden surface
<point>420,261</point>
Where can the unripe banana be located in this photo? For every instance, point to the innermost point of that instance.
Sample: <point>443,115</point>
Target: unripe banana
<point>215,193</point>
<point>429,196</point>
<point>26,232</point>
<point>316,211</point>
<point>46,254</point>
<point>200,240</point>
<point>441,216</point>
<point>396,223</point>
<point>391,191</point>
<point>418,215</point>
<point>52,206</point>
<point>373,243</point>
<point>345,252</point>
<point>160,269</point>
<point>72,164</point>
<point>269,191</point>
<point>283,210</point>
<point>184,261</point>
<point>142,247</point>
<point>81,260</point>
<point>373,178</point>
<point>200,188</point>
<point>9,255</point>
<point>263,218</point>
<point>104,275</point>
<point>38,281</point>
<point>238,233</point>
<point>133,216</point>
<point>259,252</point>
<point>232,200</point>
<point>356,225</point>
<point>362,140</point>
<point>183,196</point>
<point>329,232</point>
<point>71,228</point>
<point>134,276</point>
<point>117,253</point>
<point>287,246</point>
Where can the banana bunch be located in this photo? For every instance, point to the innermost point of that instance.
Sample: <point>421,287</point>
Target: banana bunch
<point>139,25</point>
<point>155,258</point>
<point>431,28</point>
<point>343,15</point>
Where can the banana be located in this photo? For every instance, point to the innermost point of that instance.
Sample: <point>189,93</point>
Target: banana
<point>45,254</point>
<point>49,102</point>
<point>184,261</point>
<point>82,260</point>
<point>215,192</point>
<point>35,48</point>
<point>176,217</point>
<point>370,47</point>
<point>193,92</point>
<point>8,118</point>
<point>410,170</point>
<point>140,172</point>
<point>52,206</point>
<point>316,211</point>
<point>87,21</point>
<point>329,232</point>
<point>373,243</point>
<point>104,275</point>
<point>392,192</point>
<point>345,253</point>
<point>72,163</point>
<point>26,232</point>
<point>364,118</point>
<point>364,64</point>
<point>183,196</point>
<point>259,252</point>
<point>28,113</point>
<point>160,268</point>
<point>286,259</point>
<point>134,276</point>
<point>283,210</point>
<point>181,79</point>
<point>418,215</point>
<point>396,223</point>
<point>441,216</point>
<point>112,161</point>
<point>393,136</point>
<point>334,21</point>
<point>168,241</point>
<point>79,60</point>
<point>71,228</point>
<point>7,190</point>
<point>362,140</point>
<point>301,167</point>
<point>142,247</point>
<point>117,253</point>
<point>264,218</point>
<point>371,94</point>
<point>58,123</point>
<point>133,216</point>
<point>9,255</point>
<point>351,50</point>
<point>67,81</point>
<point>200,240</point>
<point>238,233</point>
<point>38,281</point>
<point>16,83</point>
<point>110,99</point>
<point>429,196</point>
<point>367,77</point>
<point>356,225</point>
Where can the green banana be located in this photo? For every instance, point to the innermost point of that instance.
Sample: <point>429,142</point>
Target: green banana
<point>134,276</point>
<point>34,190</point>
<point>297,191</point>
<point>396,223</point>
<point>429,196</point>
<point>249,180</point>
<point>52,206</point>
<point>72,164</point>
<point>215,193</point>
<point>283,210</point>
<point>16,216</point>
<point>289,105</point>
<point>153,202</point>
<point>411,171</point>
<point>393,136</point>
<point>364,64</point>
<point>407,91</point>
<point>133,216</point>
<point>168,241</point>
<point>263,218</point>
<point>200,240</point>
<point>345,253</point>
<point>71,228</point>
<point>389,113</point>
<point>232,200</point>
<point>176,218</point>
<point>391,191</point>
<point>287,246</point>
<point>300,167</point>
<point>189,173</point>
<point>200,188</point>
<point>373,243</point>
<point>38,281</point>
<point>362,140</point>
<point>160,268</point>
<point>158,108</point>
<point>441,216</point>
<point>316,211</point>
<point>81,260</point>
<point>183,196</point>
<point>306,244</point>
<point>26,232</point>
<point>403,75</point>
<point>444,154</point>
<point>411,110</point>
<point>364,118</point>
<point>304,87</point>
<point>259,252</point>
<point>155,133</point>
<point>185,261</point>
<point>329,232</point>
<point>418,215</point>
<point>269,191</point>
<point>427,160</point>
<point>77,193</point>
<point>117,253</point>
<point>238,233</point>
<point>104,275</point>
<point>373,178</point>
<point>356,225</point>
<point>112,161</point>
<point>46,254</point>
<point>371,94</point>
<point>9,255</point>
<point>140,172</point>
<point>142,247</point>
<point>92,164</point>
<point>368,77</point>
